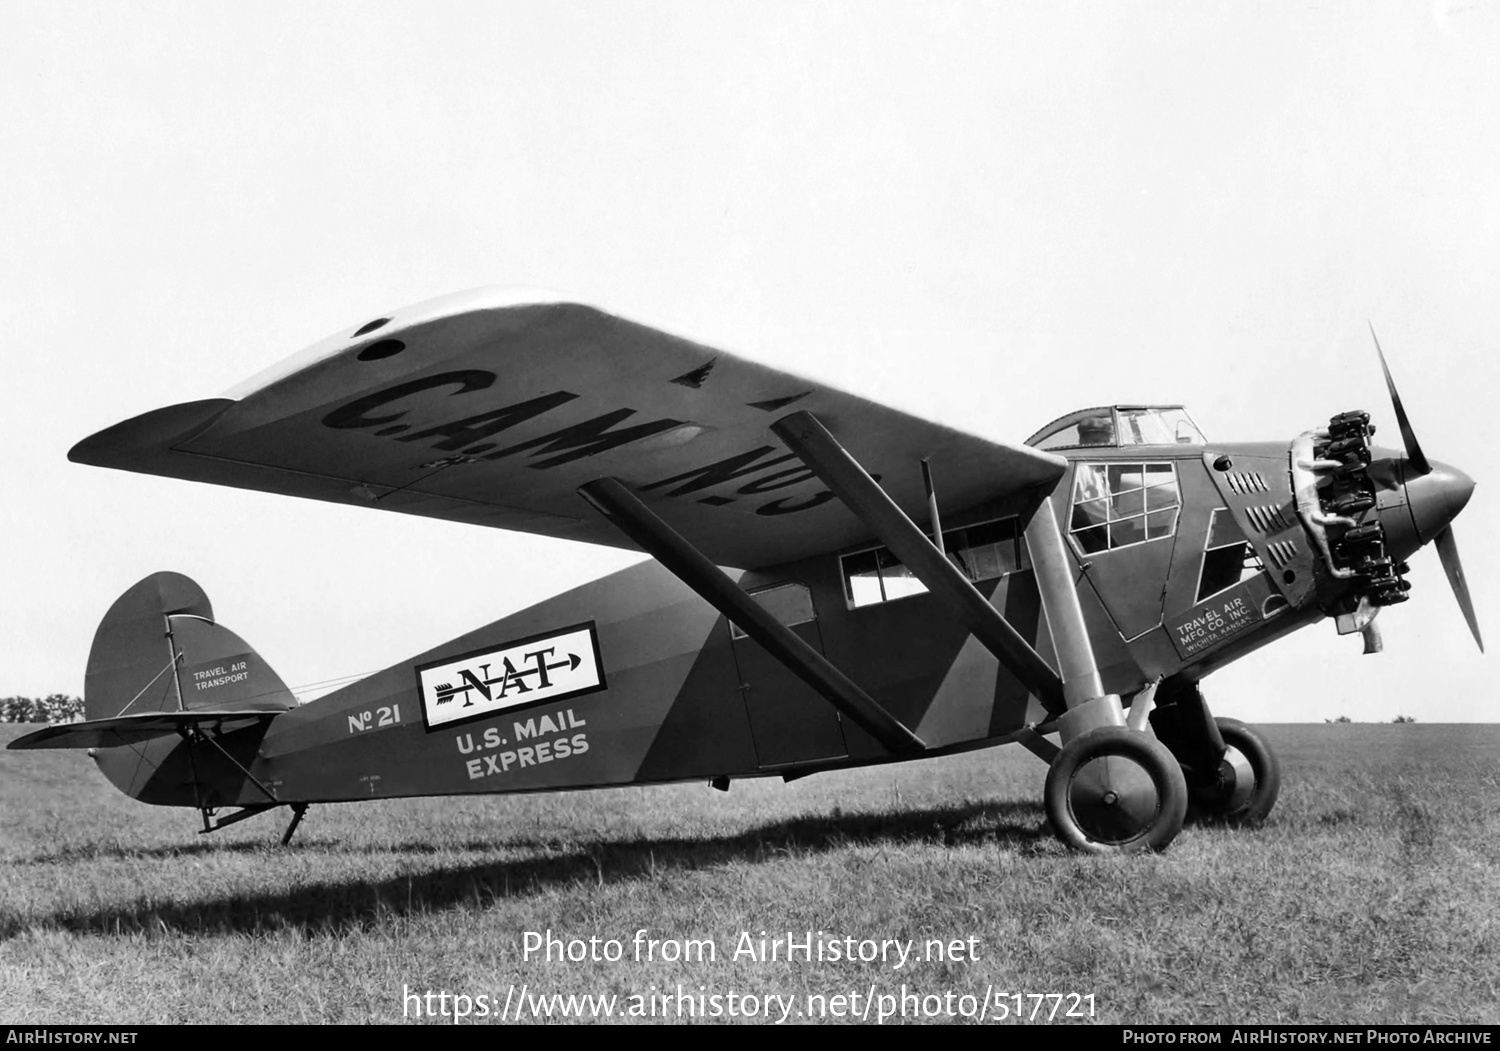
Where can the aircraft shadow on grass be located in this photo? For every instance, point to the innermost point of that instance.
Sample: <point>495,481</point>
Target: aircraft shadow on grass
<point>1015,826</point>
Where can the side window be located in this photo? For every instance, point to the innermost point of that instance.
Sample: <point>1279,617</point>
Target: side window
<point>989,550</point>
<point>1228,557</point>
<point>981,552</point>
<point>791,604</point>
<point>1119,504</point>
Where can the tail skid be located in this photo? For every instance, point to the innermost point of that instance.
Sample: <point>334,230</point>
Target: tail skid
<point>299,810</point>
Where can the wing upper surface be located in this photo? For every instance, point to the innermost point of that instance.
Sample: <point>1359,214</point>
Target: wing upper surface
<point>492,408</point>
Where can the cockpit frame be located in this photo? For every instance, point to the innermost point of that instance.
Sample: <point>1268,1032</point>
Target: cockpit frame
<point>1119,426</point>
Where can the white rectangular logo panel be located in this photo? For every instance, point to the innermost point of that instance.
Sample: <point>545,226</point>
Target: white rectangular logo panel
<point>538,670</point>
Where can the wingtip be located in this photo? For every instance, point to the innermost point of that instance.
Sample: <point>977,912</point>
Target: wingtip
<point>90,450</point>
<point>119,445</point>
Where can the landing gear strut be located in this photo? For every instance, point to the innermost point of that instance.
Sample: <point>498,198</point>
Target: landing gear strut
<point>1232,775</point>
<point>1246,783</point>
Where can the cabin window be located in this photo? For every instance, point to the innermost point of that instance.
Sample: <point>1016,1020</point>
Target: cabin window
<point>1120,504</point>
<point>791,604</point>
<point>980,552</point>
<point>1228,557</point>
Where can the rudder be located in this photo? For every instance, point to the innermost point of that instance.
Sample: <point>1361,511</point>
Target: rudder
<point>165,623</point>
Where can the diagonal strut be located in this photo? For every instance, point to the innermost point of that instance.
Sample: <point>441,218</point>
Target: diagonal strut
<point>810,440</point>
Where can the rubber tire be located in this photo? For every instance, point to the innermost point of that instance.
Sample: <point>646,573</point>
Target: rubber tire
<point>1267,772</point>
<point>1146,752</point>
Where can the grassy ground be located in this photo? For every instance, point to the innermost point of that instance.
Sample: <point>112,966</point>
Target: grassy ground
<point>1372,895</point>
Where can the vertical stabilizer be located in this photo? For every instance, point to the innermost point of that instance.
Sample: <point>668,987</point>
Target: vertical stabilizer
<point>158,649</point>
<point>130,664</point>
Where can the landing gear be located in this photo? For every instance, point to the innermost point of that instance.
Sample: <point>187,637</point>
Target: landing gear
<point>1244,788</point>
<point>1115,791</point>
<point>1233,777</point>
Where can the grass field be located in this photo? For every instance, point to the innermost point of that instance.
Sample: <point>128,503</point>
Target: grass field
<point>1372,895</point>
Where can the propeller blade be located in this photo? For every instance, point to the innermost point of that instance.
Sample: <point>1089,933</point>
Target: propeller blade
<point>1408,436</point>
<point>1447,549</point>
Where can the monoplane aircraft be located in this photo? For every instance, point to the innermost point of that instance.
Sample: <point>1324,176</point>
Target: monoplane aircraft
<point>901,589</point>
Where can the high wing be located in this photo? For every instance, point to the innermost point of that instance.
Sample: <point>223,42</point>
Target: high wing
<point>493,407</point>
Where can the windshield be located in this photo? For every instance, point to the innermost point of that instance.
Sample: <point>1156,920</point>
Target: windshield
<point>1169,426</point>
<point>1116,426</point>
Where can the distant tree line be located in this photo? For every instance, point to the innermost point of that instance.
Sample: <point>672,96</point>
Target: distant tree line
<point>1398,719</point>
<point>54,708</point>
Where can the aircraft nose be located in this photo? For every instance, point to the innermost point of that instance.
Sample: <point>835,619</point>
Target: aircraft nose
<point>1436,498</point>
<point>1423,505</point>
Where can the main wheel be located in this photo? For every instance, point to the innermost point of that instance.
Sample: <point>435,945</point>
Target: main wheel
<point>1247,782</point>
<point>1113,791</point>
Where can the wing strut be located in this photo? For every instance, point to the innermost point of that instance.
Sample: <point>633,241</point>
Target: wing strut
<point>1070,635</point>
<point>810,440</point>
<point>693,568</point>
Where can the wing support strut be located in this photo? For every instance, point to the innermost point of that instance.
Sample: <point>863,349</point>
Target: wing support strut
<point>1070,634</point>
<point>633,518</point>
<point>810,440</point>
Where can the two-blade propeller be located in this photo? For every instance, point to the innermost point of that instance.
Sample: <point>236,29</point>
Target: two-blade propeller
<point>1414,454</point>
<point>1418,465</point>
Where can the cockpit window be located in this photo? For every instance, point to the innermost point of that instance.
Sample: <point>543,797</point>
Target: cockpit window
<point>1095,429</point>
<point>1119,504</point>
<point>1117,426</point>
<point>1158,427</point>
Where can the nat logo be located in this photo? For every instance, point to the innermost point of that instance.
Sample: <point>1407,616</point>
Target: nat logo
<point>540,669</point>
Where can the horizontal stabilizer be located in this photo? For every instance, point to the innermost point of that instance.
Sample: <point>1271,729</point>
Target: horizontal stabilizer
<point>143,726</point>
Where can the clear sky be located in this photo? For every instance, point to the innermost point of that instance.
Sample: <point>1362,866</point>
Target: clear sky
<point>986,213</point>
